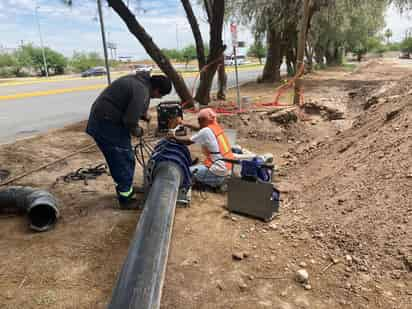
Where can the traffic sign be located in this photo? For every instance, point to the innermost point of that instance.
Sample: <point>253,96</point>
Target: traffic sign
<point>233,31</point>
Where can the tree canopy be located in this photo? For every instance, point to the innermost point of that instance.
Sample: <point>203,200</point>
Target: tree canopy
<point>29,58</point>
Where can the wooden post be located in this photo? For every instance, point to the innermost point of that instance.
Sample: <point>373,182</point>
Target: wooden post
<point>300,62</point>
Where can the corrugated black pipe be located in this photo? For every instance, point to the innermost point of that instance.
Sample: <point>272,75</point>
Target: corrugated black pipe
<point>40,206</point>
<point>139,285</point>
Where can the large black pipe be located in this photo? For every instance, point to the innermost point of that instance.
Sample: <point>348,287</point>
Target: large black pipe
<point>40,206</point>
<point>139,285</point>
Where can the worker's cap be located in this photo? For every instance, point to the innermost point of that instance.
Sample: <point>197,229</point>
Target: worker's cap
<point>162,83</point>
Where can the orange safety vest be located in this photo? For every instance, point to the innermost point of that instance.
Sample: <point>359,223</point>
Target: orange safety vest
<point>225,149</point>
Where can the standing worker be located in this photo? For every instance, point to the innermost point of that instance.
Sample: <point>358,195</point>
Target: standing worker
<point>115,116</point>
<point>215,146</point>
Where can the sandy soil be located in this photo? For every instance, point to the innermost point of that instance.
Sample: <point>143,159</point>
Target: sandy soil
<point>345,215</point>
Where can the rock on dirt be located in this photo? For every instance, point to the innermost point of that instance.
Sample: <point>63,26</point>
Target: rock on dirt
<point>220,285</point>
<point>302,276</point>
<point>391,115</point>
<point>408,262</point>
<point>371,102</point>
<point>238,256</point>
<point>243,286</point>
<point>326,112</point>
<point>283,116</point>
<point>307,287</point>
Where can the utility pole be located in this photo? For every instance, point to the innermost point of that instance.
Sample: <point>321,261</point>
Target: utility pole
<point>300,60</point>
<point>41,42</point>
<point>106,61</point>
<point>177,37</point>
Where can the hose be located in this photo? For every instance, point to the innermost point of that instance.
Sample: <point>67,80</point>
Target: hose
<point>40,206</point>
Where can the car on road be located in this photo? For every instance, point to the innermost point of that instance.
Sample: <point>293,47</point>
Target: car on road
<point>230,60</point>
<point>96,71</point>
<point>404,55</point>
<point>143,68</point>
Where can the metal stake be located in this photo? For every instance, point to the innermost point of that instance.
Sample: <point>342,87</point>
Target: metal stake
<point>237,79</point>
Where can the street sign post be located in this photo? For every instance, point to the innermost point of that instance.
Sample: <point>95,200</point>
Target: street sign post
<point>233,31</point>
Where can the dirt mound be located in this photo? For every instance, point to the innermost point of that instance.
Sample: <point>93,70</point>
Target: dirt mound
<point>368,66</point>
<point>260,124</point>
<point>360,193</point>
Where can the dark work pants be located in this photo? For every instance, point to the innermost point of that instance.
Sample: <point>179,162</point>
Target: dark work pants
<point>114,142</point>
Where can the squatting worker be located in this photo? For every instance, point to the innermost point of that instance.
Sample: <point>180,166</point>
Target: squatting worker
<point>215,146</point>
<point>114,117</point>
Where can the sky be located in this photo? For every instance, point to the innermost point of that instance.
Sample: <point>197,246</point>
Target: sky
<point>77,29</point>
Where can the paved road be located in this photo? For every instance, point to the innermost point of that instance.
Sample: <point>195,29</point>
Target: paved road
<point>36,106</point>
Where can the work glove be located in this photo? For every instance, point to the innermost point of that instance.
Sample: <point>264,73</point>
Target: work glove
<point>146,118</point>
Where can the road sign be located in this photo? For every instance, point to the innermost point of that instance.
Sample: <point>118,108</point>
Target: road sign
<point>233,31</point>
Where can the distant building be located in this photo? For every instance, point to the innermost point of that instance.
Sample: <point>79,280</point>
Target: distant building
<point>125,58</point>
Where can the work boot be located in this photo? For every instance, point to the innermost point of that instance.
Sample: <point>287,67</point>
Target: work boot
<point>128,202</point>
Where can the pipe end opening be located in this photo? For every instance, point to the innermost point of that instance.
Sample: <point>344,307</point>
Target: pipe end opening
<point>42,217</point>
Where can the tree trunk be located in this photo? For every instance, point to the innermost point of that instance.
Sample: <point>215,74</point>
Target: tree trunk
<point>338,56</point>
<point>301,50</point>
<point>222,81</point>
<point>216,51</point>
<point>152,49</point>
<point>309,57</point>
<point>333,56</point>
<point>329,56</point>
<point>319,55</point>
<point>290,41</point>
<point>271,71</point>
<point>200,48</point>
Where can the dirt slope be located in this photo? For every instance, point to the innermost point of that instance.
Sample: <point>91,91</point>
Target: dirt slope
<point>355,191</point>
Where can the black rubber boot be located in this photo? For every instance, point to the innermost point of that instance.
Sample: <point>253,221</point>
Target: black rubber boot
<point>129,202</point>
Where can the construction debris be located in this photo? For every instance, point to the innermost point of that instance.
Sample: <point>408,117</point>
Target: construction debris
<point>283,116</point>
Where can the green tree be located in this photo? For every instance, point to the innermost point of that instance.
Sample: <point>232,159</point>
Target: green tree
<point>82,61</point>
<point>188,54</point>
<point>7,65</point>
<point>29,56</point>
<point>406,45</point>
<point>388,35</point>
<point>394,46</point>
<point>23,60</point>
<point>403,5</point>
<point>346,25</point>
<point>56,61</point>
<point>7,60</point>
<point>172,53</point>
<point>257,50</point>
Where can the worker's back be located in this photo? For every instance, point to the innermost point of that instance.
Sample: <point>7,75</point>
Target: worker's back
<point>113,103</point>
